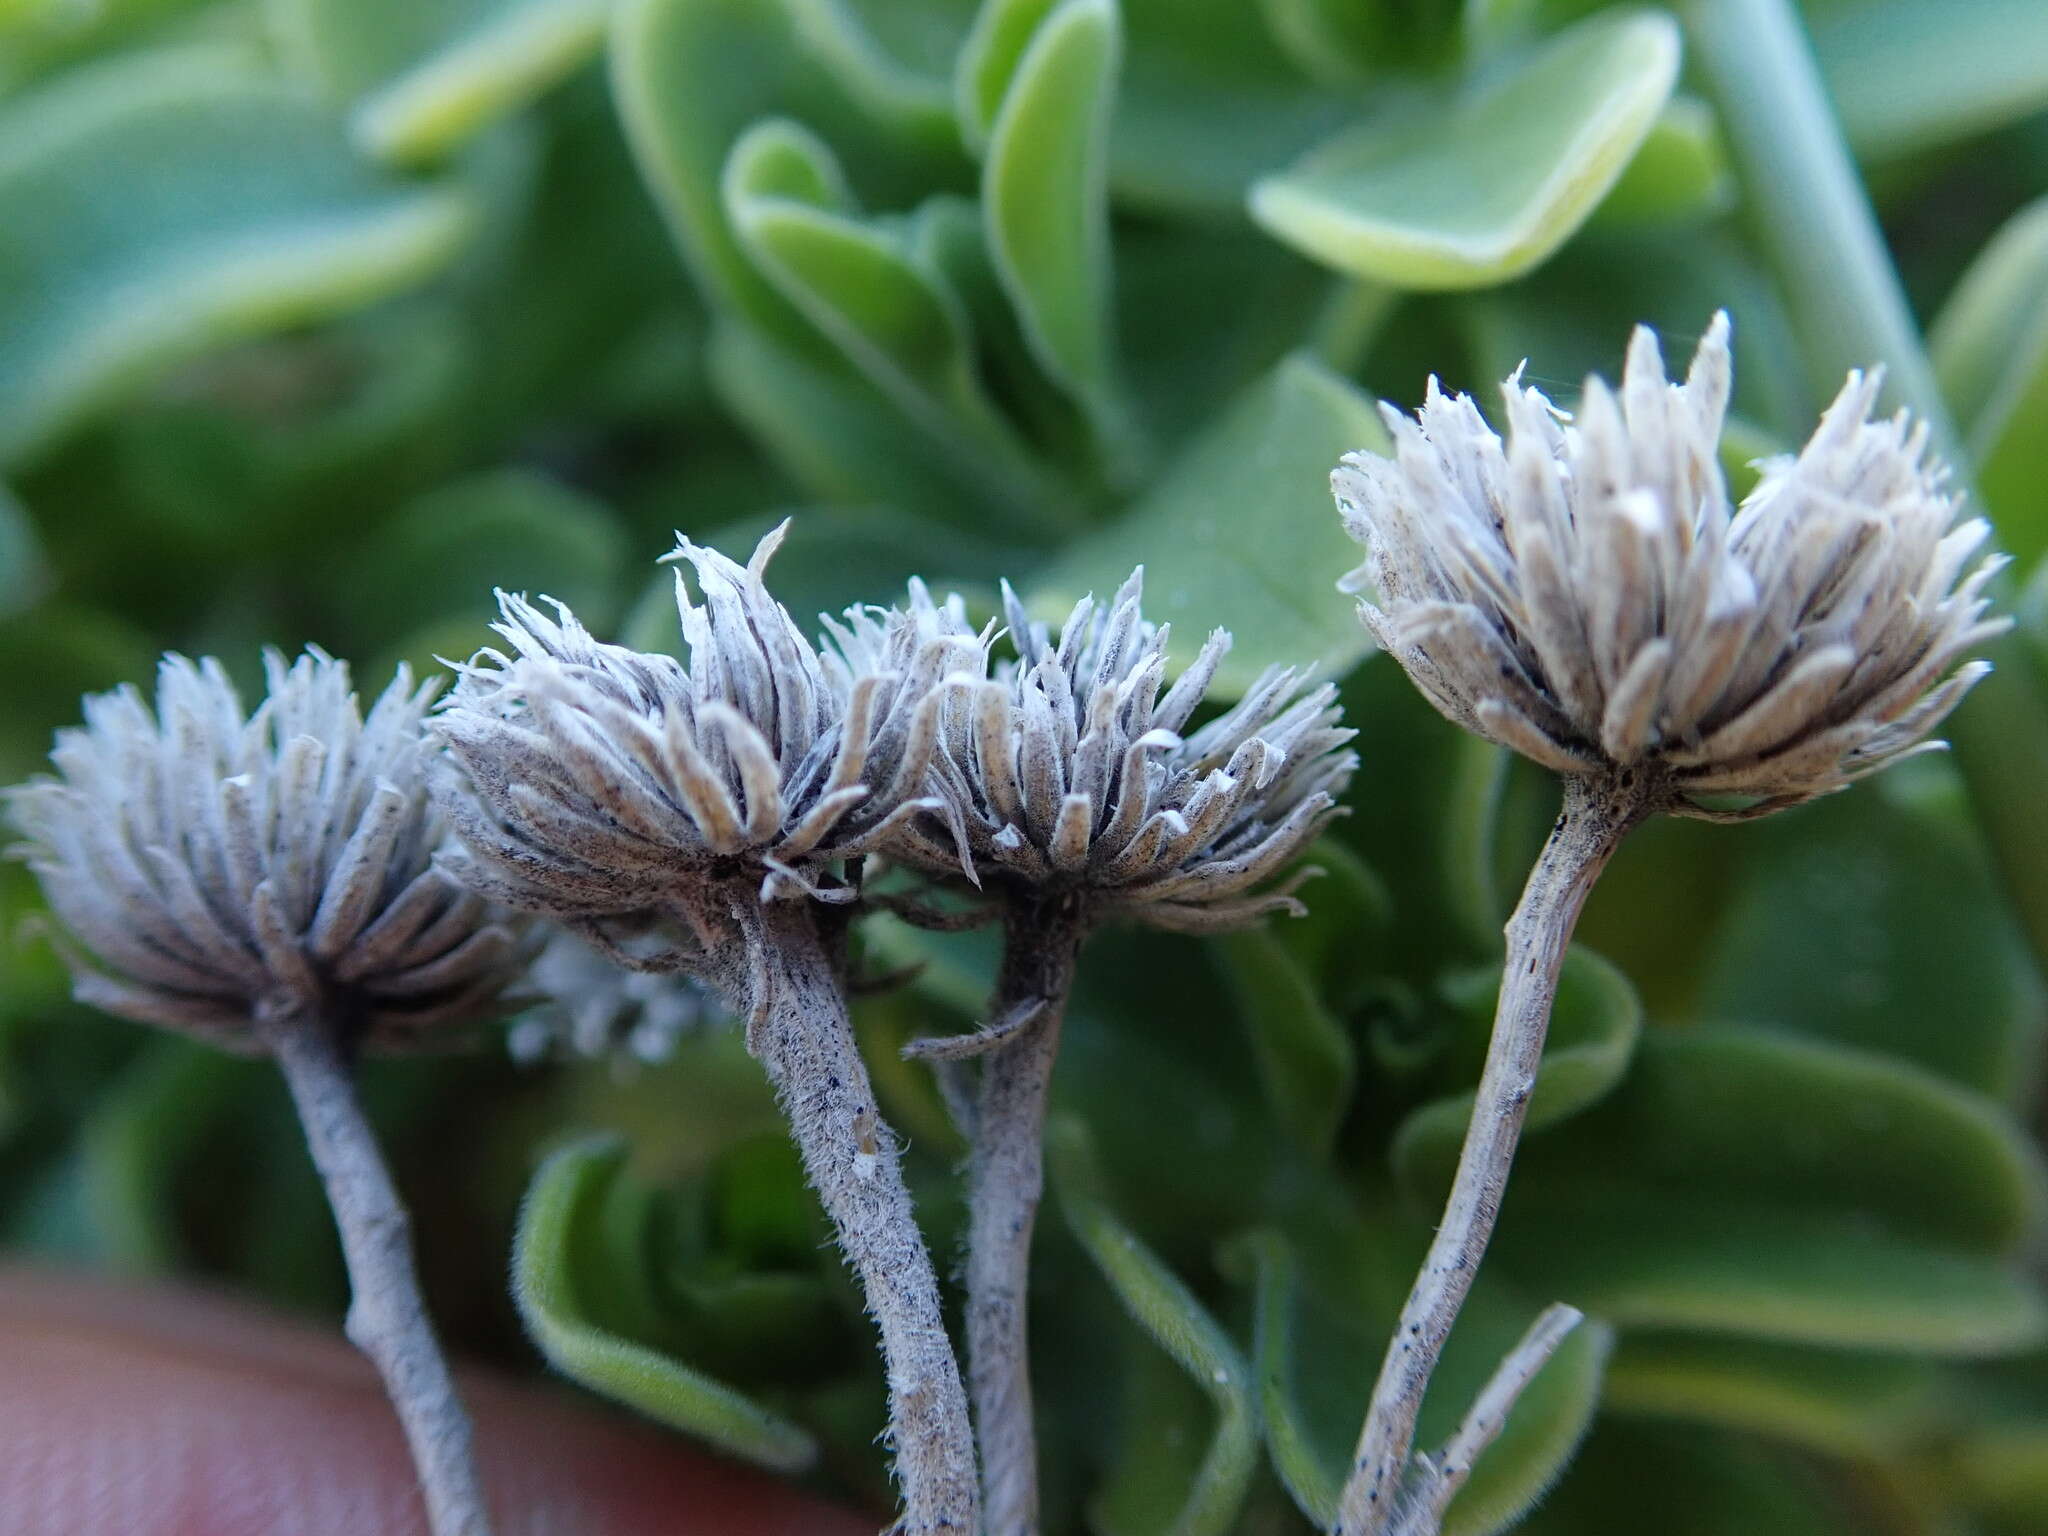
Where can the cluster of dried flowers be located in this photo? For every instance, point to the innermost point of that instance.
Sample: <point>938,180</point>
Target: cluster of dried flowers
<point>641,841</point>
<point>647,841</point>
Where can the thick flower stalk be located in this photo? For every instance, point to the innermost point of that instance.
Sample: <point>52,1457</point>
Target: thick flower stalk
<point>1071,796</point>
<point>1586,594</point>
<point>694,818</point>
<point>265,881</point>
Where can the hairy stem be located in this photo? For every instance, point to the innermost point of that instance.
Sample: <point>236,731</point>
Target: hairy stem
<point>387,1320</point>
<point>1597,815</point>
<point>801,1034</point>
<point>1041,944</point>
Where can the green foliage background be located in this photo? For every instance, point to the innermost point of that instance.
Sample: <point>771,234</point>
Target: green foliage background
<point>319,318</point>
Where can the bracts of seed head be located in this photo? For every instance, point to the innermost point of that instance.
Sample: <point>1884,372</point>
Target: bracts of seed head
<point>1587,594</point>
<point>701,817</point>
<point>1073,792</point>
<point>264,880</point>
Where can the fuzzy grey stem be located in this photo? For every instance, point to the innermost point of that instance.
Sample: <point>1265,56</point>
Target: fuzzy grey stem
<point>1041,944</point>
<point>803,1037</point>
<point>387,1320</point>
<point>1447,1470</point>
<point>1597,815</point>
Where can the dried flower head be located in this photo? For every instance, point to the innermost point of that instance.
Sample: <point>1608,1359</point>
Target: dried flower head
<point>600,781</point>
<point>209,867</point>
<point>1068,770</point>
<point>1586,594</point>
<point>596,1010</point>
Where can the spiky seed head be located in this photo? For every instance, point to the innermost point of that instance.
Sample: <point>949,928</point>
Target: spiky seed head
<point>1067,770</point>
<point>598,782</point>
<point>209,867</point>
<point>1585,593</point>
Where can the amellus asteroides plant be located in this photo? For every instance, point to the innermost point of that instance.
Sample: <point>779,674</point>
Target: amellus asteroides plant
<point>264,881</point>
<point>1071,796</point>
<point>627,794</point>
<point>1586,594</point>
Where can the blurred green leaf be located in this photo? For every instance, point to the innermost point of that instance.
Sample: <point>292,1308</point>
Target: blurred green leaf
<point>1160,1303</point>
<point>861,283</point>
<point>1208,101</point>
<point>1926,963</point>
<point>1680,173</point>
<point>1990,351</point>
<point>1485,190</point>
<point>1040,100</point>
<point>549,1259</point>
<point>1325,1295</point>
<point>835,435</point>
<point>162,204</point>
<point>22,573</point>
<point>1240,532</point>
<point>1683,1480</point>
<point>1747,1182</point>
<point>426,75</point>
<point>1907,75</point>
<point>1306,1061</point>
<point>689,76</point>
<point>1833,1401</point>
<point>1593,1031</point>
<point>442,553</point>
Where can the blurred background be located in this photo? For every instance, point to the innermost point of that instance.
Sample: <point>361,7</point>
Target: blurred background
<point>321,318</point>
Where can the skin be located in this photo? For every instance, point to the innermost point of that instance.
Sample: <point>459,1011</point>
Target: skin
<point>133,1411</point>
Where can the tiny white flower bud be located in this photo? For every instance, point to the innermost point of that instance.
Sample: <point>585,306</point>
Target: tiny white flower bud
<point>1585,593</point>
<point>594,1009</point>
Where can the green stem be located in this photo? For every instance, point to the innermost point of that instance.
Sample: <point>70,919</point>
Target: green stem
<point>1808,207</point>
<point>1350,321</point>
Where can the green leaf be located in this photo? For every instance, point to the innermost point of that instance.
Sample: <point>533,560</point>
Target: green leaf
<point>1209,101</point>
<point>146,1132</point>
<point>1684,1480</point>
<point>443,552</point>
<point>861,283</point>
<point>1240,532</point>
<point>1160,1303</point>
<point>1039,83</point>
<point>1908,75</point>
<point>1306,1061</point>
<point>1990,352</point>
<point>2000,735</point>
<point>835,435</point>
<point>428,75</point>
<point>1895,892</point>
<point>1680,175</point>
<point>1753,1183</point>
<point>1326,1294</point>
<point>1835,1402</point>
<point>690,76</point>
<point>22,573</point>
<point>1480,193</point>
<point>1267,1261</point>
<point>1336,42</point>
<point>1594,1027</point>
<point>547,1264</point>
<point>159,205</point>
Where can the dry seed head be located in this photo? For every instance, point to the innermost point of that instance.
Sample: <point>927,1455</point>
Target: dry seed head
<point>207,866</point>
<point>1068,770</point>
<point>598,781</point>
<point>1585,593</point>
